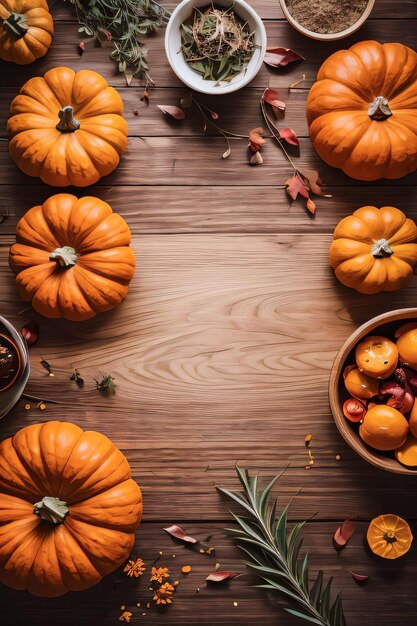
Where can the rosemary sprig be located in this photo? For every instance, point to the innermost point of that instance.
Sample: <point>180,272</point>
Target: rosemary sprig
<point>122,22</point>
<point>274,553</point>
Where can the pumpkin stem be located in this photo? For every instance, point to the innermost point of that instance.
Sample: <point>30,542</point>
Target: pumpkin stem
<point>16,25</point>
<point>67,122</point>
<point>65,257</point>
<point>381,248</point>
<point>390,537</point>
<point>51,510</point>
<point>379,109</point>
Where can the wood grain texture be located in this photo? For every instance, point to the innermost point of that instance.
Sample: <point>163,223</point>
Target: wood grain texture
<point>223,347</point>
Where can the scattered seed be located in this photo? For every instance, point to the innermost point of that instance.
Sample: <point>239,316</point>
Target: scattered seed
<point>122,608</point>
<point>177,582</point>
<point>160,552</point>
<point>235,604</point>
<point>307,440</point>
<point>338,457</point>
<point>42,406</point>
<point>27,406</point>
<point>173,556</point>
<point>148,606</point>
<point>197,590</point>
<point>307,467</point>
<point>138,604</point>
<point>186,569</point>
<point>217,566</point>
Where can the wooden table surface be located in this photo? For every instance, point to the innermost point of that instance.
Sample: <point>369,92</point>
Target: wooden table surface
<point>223,347</point>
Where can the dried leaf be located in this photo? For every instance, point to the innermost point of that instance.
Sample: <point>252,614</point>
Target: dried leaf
<point>172,111</point>
<point>360,578</point>
<point>46,365</point>
<point>314,181</point>
<point>343,534</point>
<point>129,77</point>
<point>179,533</point>
<point>281,57</point>
<point>226,154</point>
<point>256,140</point>
<point>289,136</point>
<point>311,207</point>
<point>187,100</point>
<point>76,377</point>
<point>295,186</point>
<point>256,159</point>
<point>30,332</point>
<point>218,577</point>
<point>272,97</point>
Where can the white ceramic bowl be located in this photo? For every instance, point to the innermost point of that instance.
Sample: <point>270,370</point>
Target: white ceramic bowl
<point>328,36</point>
<point>11,396</point>
<point>176,59</point>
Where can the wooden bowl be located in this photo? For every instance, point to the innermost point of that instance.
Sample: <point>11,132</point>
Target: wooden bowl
<point>384,325</point>
<point>328,36</point>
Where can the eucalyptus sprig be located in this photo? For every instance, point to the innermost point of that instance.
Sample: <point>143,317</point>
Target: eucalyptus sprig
<point>122,22</point>
<point>274,553</point>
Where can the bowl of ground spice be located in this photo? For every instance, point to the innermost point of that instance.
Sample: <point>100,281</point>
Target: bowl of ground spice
<point>327,20</point>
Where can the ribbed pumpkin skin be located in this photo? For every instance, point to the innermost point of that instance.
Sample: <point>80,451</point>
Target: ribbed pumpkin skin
<point>84,469</point>
<point>105,263</point>
<point>35,42</point>
<point>341,130</point>
<point>351,251</point>
<point>80,157</point>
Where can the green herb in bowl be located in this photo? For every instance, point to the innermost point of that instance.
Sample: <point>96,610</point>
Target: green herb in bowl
<point>217,43</point>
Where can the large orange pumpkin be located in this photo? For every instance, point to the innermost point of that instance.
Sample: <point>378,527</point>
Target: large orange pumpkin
<point>26,29</point>
<point>362,111</point>
<point>67,127</point>
<point>374,249</point>
<point>68,508</point>
<point>72,257</point>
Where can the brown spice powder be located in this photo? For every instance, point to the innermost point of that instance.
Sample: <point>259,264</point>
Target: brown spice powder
<point>326,16</point>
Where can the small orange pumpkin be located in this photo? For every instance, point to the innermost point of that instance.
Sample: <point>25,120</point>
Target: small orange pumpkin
<point>374,249</point>
<point>68,508</point>
<point>376,356</point>
<point>362,111</point>
<point>72,257</point>
<point>384,428</point>
<point>67,127</point>
<point>389,536</point>
<point>26,29</point>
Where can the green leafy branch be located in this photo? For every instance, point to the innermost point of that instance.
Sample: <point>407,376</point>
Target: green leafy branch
<point>122,22</point>
<point>274,553</point>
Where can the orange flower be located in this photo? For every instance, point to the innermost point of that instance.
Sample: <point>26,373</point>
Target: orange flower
<point>159,573</point>
<point>163,594</point>
<point>135,568</point>
<point>125,616</point>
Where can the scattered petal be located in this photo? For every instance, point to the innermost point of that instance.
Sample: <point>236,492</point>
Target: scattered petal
<point>295,186</point>
<point>256,159</point>
<point>360,578</point>
<point>256,140</point>
<point>289,136</point>
<point>30,332</point>
<point>311,206</point>
<point>186,569</point>
<point>179,533</point>
<point>218,577</point>
<point>125,616</point>
<point>272,97</point>
<point>343,534</point>
<point>172,111</point>
<point>281,57</point>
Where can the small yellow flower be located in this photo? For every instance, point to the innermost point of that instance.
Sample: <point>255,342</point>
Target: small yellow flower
<point>135,568</point>
<point>159,573</point>
<point>125,616</point>
<point>163,594</point>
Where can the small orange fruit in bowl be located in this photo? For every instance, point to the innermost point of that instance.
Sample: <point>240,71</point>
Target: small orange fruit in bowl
<point>407,348</point>
<point>376,356</point>
<point>359,385</point>
<point>384,428</point>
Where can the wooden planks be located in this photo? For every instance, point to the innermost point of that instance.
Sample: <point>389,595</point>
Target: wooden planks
<point>223,347</point>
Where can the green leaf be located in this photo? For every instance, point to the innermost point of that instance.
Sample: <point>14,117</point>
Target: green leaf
<point>315,591</point>
<point>307,618</point>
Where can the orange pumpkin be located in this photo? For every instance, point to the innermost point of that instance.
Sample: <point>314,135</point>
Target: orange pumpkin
<point>384,428</point>
<point>389,536</point>
<point>374,249</point>
<point>26,29</point>
<point>68,508</point>
<point>72,257</point>
<point>362,111</point>
<point>67,127</point>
